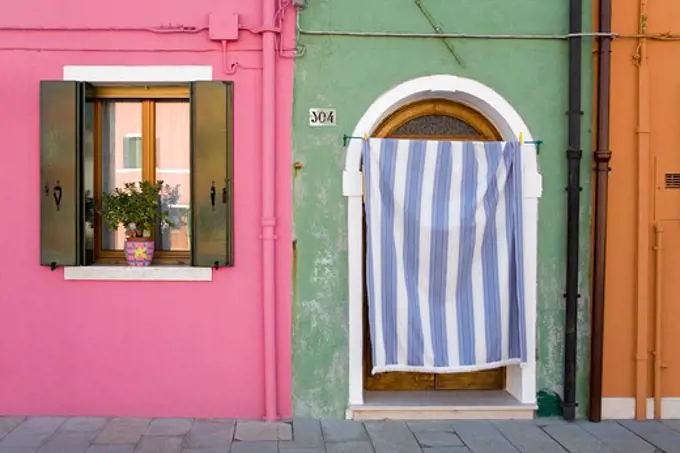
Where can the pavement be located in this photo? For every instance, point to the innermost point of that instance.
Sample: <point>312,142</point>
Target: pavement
<point>143,435</point>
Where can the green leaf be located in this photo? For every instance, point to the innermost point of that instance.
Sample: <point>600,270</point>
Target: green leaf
<point>138,206</point>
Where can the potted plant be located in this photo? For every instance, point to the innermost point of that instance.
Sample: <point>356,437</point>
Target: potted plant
<point>137,206</point>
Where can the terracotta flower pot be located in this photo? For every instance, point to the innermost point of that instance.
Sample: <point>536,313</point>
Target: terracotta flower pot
<point>139,251</point>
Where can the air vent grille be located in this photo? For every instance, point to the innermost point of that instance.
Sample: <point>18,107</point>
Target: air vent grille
<point>672,180</point>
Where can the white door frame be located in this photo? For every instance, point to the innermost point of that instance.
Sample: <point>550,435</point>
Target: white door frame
<point>521,379</point>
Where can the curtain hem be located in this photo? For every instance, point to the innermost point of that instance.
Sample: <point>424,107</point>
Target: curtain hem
<point>456,369</point>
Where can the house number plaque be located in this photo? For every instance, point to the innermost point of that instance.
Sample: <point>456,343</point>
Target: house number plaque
<point>322,117</point>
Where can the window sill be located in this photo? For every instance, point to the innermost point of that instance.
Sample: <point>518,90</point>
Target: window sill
<point>150,273</point>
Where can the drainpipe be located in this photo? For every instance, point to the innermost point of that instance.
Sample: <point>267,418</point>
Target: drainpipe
<point>643,230</point>
<point>573,207</point>
<point>658,358</point>
<point>268,219</point>
<point>602,158</point>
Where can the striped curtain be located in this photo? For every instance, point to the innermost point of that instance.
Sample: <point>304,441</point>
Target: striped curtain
<point>444,263</point>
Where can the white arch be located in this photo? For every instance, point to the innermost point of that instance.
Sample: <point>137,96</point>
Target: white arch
<point>521,381</point>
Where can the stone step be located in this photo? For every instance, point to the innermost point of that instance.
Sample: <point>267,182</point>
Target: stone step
<point>440,405</point>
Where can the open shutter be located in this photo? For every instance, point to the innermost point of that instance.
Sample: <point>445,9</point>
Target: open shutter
<point>211,174</point>
<point>61,207</point>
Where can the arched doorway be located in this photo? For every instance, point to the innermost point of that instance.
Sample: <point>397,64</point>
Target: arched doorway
<point>431,119</point>
<point>520,380</point>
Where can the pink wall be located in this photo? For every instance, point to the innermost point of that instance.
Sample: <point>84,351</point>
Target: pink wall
<point>137,348</point>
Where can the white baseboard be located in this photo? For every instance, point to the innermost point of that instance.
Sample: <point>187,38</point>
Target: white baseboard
<point>624,408</point>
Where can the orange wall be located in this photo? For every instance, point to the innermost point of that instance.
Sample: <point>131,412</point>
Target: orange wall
<point>663,101</point>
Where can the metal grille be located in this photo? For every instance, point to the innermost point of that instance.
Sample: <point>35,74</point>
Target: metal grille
<point>436,125</point>
<point>672,180</point>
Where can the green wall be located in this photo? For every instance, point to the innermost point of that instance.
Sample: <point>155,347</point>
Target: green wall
<point>349,73</point>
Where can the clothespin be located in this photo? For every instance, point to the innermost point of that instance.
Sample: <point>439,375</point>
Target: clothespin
<point>365,136</point>
<point>521,138</point>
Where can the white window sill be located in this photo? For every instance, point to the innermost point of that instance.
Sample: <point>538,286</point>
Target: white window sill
<point>149,273</point>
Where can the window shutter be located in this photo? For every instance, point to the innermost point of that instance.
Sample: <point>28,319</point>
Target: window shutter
<point>61,201</point>
<point>211,174</point>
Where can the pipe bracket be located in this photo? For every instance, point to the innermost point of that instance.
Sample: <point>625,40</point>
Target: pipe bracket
<point>574,154</point>
<point>268,221</point>
<point>603,155</point>
<point>268,233</point>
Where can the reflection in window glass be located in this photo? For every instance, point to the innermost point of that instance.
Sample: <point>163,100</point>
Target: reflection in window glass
<point>121,124</point>
<point>132,151</point>
<point>173,154</point>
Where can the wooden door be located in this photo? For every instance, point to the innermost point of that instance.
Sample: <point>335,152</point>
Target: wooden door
<point>431,120</point>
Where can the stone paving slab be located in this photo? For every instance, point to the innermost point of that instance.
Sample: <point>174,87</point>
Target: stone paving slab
<point>257,446</point>
<point>483,437</point>
<point>307,434</point>
<point>206,450</point>
<point>392,437</point>
<point>303,450</point>
<point>160,444</point>
<point>447,450</point>
<point>210,435</point>
<point>433,439</point>
<point>32,432</point>
<point>255,430</point>
<point>528,438</point>
<point>169,427</point>
<point>123,431</point>
<point>84,424</point>
<point>343,431</point>
<point>181,435</point>
<point>351,446</point>
<point>17,450</point>
<point>110,449</point>
<point>7,424</point>
<point>618,437</point>
<point>67,442</point>
<point>577,440</point>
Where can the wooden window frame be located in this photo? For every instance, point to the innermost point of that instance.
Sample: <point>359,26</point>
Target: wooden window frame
<point>148,96</point>
<point>442,107</point>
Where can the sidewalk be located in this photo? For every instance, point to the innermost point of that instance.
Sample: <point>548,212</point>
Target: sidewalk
<point>136,435</point>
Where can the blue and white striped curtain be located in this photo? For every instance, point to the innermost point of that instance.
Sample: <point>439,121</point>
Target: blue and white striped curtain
<point>444,258</point>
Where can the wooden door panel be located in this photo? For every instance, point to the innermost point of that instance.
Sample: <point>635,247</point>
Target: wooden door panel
<point>401,381</point>
<point>478,380</point>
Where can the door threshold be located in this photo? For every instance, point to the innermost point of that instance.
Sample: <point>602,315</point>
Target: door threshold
<point>441,405</point>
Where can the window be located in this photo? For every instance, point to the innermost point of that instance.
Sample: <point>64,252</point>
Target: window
<point>132,151</point>
<point>122,155</point>
<point>97,138</point>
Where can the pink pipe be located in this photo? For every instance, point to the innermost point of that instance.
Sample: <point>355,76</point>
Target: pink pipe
<point>268,205</point>
<point>161,29</point>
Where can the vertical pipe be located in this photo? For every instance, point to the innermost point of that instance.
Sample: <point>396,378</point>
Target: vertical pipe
<point>602,158</point>
<point>657,324</point>
<point>573,207</point>
<point>268,219</point>
<point>642,295</point>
